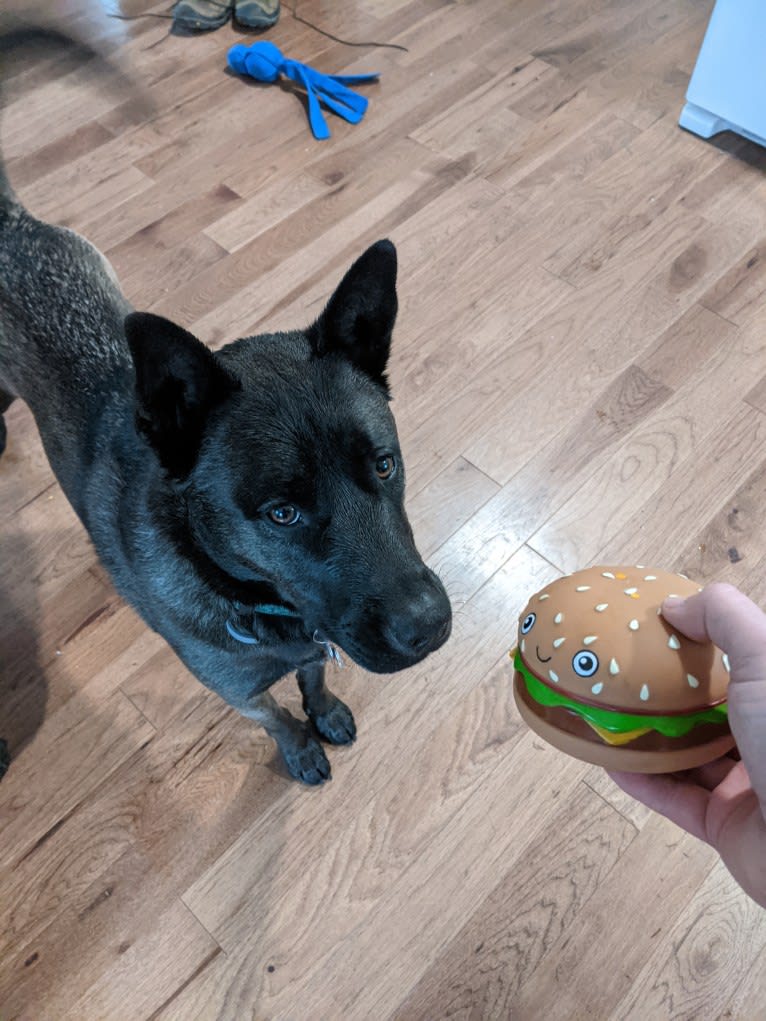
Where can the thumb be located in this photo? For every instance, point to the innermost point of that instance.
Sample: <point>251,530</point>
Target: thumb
<point>737,626</point>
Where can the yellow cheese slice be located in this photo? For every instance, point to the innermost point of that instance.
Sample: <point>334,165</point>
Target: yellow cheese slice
<point>615,739</point>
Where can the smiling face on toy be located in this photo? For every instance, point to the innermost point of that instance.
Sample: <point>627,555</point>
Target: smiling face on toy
<point>597,660</point>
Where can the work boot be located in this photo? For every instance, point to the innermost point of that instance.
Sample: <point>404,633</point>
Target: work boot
<point>256,13</point>
<point>201,15</point>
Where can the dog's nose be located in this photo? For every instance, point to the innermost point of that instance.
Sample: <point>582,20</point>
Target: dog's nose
<point>422,623</point>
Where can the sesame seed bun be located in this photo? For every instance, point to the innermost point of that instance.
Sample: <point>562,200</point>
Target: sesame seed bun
<point>602,675</point>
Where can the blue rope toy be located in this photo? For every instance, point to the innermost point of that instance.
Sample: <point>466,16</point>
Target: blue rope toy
<point>265,62</point>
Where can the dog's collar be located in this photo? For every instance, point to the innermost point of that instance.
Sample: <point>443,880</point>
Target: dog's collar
<point>269,609</point>
<point>248,638</point>
<point>247,597</point>
<point>274,610</point>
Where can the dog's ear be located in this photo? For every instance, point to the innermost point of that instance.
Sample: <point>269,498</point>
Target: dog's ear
<point>360,316</point>
<point>179,382</point>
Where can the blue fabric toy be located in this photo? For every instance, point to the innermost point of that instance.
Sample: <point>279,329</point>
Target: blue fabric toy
<point>265,62</point>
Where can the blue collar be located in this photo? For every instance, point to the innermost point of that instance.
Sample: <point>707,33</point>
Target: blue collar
<point>274,610</point>
<point>271,610</point>
<point>241,636</point>
<point>247,638</point>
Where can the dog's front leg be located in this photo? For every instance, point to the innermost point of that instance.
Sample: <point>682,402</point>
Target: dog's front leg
<point>303,754</point>
<point>242,676</point>
<point>331,717</point>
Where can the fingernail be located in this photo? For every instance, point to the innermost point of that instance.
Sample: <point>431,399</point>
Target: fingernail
<point>673,601</point>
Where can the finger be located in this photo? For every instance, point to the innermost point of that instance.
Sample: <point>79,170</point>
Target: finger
<point>736,625</point>
<point>725,616</point>
<point>733,796</point>
<point>711,774</point>
<point>682,802</point>
<point>747,719</point>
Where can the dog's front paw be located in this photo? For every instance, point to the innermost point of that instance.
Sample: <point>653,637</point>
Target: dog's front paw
<point>336,723</point>
<point>307,761</point>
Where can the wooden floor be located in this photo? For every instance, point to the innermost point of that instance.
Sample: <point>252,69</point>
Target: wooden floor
<point>580,376</point>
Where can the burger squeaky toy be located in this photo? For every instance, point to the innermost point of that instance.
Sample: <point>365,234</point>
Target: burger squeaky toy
<point>601,675</point>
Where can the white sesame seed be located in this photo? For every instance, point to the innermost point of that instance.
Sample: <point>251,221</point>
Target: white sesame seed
<point>583,588</point>
<point>557,642</point>
<point>607,574</point>
<point>545,595</point>
<point>630,591</point>
<point>523,645</point>
<point>683,576</point>
<point>558,618</point>
<point>553,677</point>
<point>601,607</point>
<point>651,577</point>
<point>640,567</point>
<point>726,663</point>
<point>693,682</point>
<point>589,639</point>
<point>644,693</point>
<point>614,668</point>
<point>633,625</point>
<point>673,642</point>
<point>597,688</point>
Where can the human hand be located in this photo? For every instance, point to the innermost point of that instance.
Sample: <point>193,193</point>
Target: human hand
<point>723,802</point>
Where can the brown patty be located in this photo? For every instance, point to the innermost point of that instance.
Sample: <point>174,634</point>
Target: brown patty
<point>572,723</point>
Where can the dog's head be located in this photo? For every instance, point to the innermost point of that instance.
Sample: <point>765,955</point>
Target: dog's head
<point>286,453</point>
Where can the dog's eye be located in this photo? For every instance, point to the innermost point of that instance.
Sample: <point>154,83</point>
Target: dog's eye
<point>286,514</point>
<point>385,466</point>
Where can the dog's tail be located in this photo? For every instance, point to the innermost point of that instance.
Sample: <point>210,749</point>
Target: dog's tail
<point>20,43</point>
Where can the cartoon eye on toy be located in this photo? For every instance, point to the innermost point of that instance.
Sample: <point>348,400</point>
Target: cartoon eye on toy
<point>528,623</point>
<point>585,663</point>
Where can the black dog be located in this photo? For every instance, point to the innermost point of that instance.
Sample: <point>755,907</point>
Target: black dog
<point>248,503</point>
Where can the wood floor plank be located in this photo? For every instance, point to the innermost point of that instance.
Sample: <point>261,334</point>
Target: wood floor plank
<point>523,919</point>
<point>176,948</point>
<point>26,473</point>
<point>394,962</point>
<point>63,640</point>
<point>729,546</point>
<point>51,545</point>
<point>673,514</point>
<point>152,824</point>
<point>66,97</point>
<point>574,534</point>
<point>697,973</point>
<point>227,304</point>
<point>749,999</point>
<point>590,974</point>
<point>574,161</point>
<point>738,294</point>
<point>564,468</point>
<point>644,86</point>
<point>618,337</point>
<point>441,508</point>
<point>557,339</point>
<point>579,53</point>
<point>61,769</point>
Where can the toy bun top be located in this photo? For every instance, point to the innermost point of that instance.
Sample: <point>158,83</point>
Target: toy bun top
<point>597,635</point>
